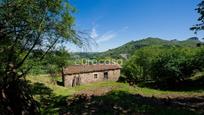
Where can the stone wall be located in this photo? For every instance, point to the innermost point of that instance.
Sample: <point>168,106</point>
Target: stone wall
<point>113,75</point>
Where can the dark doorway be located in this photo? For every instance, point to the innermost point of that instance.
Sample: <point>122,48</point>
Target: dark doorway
<point>76,81</point>
<point>105,75</point>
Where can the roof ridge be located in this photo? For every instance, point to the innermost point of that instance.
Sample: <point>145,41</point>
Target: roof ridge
<point>85,68</point>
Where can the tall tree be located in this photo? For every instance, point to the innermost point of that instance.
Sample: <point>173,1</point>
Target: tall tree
<point>200,11</point>
<point>25,26</point>
<point>57,60</point>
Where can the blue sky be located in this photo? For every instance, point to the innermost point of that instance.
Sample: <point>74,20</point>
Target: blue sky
<point>113,23</point>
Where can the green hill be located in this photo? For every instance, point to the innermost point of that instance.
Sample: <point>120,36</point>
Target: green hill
<point>130,47</point>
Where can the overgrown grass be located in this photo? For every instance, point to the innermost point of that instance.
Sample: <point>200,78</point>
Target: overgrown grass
<point>67,91</point>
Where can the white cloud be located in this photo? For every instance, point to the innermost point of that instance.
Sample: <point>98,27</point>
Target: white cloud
<point>106,37</point>
<point>93,33</point>
<point>103,37</point>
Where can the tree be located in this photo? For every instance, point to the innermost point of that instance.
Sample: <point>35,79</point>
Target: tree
<point>173,65</point>
<point>163,65</point>
<point>137,68</point>
<point>56,61</point>
<point>25,26</point>
<point>131,72</point>
<point>200,11</point>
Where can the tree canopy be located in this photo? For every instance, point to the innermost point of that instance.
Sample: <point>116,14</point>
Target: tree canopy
<point>27,26</point>
<point>200,11</point>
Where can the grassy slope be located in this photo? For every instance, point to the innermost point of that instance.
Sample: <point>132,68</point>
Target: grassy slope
<point>123,99</point>
<point>60,90</point>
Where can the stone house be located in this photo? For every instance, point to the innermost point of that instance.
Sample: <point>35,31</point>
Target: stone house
<point>83,74</point>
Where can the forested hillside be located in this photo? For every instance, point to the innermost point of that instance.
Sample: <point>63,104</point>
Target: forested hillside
<point>132,46</point>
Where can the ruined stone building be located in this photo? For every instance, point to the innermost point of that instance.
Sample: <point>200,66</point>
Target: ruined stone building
<point>82,74</point>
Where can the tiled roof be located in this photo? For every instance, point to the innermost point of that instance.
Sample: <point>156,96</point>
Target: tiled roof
<point>76,69</point>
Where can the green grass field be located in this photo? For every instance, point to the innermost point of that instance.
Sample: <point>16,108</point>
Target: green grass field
<point>109,98</point>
